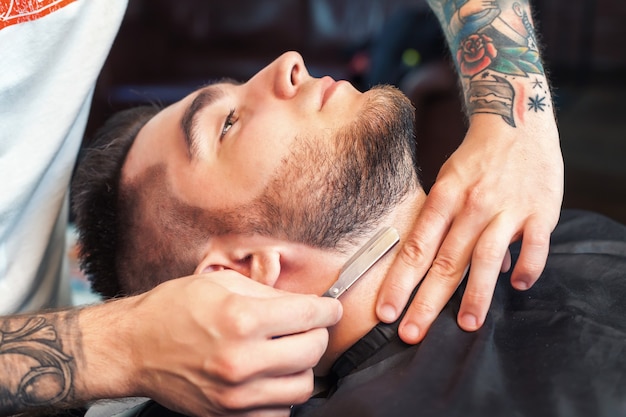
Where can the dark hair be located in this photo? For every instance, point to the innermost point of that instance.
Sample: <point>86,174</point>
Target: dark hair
<point>95,194</point>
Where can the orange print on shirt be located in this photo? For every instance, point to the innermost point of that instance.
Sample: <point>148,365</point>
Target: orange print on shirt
<point>13,12</point>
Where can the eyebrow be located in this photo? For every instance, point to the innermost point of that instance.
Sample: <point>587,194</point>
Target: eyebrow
<point>189,122</point>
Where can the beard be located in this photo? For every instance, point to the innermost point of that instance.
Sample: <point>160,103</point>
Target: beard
<point>330,196</point>
<point>327,194</point>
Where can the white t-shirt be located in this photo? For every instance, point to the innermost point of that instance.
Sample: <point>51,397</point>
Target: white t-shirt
<point>51,52</point>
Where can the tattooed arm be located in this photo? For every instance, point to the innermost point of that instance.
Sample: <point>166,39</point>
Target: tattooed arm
<point>180,344</point>
<point>46,365</point>
<point>504,182</point>
<point>36,359</point>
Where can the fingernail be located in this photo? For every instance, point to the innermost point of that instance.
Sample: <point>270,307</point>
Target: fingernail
<point>387,313</point>
<point>521,285</point>
<point>411,332</point>
<point>469,321</point>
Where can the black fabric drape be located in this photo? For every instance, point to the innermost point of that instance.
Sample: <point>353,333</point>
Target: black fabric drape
<point>558,349</point>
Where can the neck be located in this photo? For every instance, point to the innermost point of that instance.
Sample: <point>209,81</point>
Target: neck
<point>359,301</point>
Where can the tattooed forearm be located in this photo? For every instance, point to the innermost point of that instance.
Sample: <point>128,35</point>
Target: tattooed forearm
<point>494,46</point>
<point>37,367</point>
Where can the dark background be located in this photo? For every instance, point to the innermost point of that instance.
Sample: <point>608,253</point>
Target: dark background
<point>167,48</point>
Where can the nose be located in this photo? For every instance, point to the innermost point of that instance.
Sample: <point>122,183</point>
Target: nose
<point>285,75</point>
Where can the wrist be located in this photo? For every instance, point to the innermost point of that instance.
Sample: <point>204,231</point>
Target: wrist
<point>109,366</point>
<point>524,104</point>
<point>528,125</point>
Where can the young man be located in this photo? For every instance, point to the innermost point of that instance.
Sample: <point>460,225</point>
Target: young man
<point>483,199</point>
<point>282,179</point>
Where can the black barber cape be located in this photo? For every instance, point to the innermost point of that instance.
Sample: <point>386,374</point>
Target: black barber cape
<point>558,349</point>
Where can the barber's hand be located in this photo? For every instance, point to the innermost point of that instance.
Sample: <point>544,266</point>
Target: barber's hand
<point>210,345</point>
<point>502,184</point>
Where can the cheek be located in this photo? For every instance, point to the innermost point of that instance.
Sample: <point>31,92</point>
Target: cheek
<point>300,286</point>
<point>308,278</point>
<point>255,157</point>
<point>251,169</point>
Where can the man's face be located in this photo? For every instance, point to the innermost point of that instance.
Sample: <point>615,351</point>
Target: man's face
<point>240,134</point>
<point>284,155</point>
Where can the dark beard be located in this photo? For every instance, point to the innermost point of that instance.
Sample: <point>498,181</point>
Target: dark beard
<point>329,197</point>
<point>324,195</point>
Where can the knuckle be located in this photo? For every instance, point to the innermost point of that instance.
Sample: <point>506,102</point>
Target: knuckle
<point>531,270</point>
<point>241,320</point>
<point>422,308</point>
<point>441,190</point>
<point>489,252</point>
<point>307,312</point>
<point>413,252</point>
<point>444,269</point>
<point>398,289</point>
<point>476,298</point>
<point>230,367</point>
<point>538,239</point>
<point>232,399</point>
<point>475,200</point>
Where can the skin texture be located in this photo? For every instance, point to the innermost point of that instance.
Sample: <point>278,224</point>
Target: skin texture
<point>504,183</point>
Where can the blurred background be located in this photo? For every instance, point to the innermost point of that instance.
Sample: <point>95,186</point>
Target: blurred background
<point>167,48</point>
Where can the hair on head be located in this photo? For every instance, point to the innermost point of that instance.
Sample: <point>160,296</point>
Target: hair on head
<point>95,191</point>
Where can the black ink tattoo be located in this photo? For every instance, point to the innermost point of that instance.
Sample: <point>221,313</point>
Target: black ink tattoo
<point>46,375</point>
<point>537,83</point>
<point>536,103</point>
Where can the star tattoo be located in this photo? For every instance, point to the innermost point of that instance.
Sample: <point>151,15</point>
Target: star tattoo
<point>536,103</point>
<point>537,84</point>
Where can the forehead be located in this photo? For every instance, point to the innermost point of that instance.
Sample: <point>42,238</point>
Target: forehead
<point>180,114</point>
<point>166,129</point>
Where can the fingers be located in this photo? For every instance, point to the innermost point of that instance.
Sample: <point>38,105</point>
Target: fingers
<point>274,357</point>
<point>488,259</point>
<point>255,395</point>
<point>305,312</point>
<point>489,256</point>
<point>443,278</point>
<point>261,309</point>
<point>287,335</point>
<point>415,258</point>
<point>276,372</point>
<point>534,253</point>
<point>237,283</point>
<point>240,341</point>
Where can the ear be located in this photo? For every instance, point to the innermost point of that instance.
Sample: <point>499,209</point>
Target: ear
<point>261,264</point>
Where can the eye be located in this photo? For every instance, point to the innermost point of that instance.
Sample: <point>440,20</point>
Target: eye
<point>229,122</point>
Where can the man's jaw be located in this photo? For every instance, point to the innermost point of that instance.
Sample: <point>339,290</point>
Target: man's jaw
<point>359,302</point>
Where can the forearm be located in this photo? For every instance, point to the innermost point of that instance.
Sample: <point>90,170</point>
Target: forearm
<point>494,47</point>
<point>62,359</point>
<point>502,184</point>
